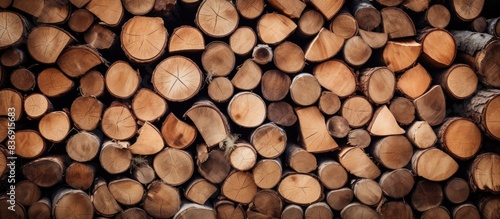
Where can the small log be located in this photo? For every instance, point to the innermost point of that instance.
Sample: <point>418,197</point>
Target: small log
<point>186,39</point>
<point>92,84</point>
<point>488,207</point>
<point>53,83</point>
<point>75,61</point>
<point>199,191</point>
<point>247,109</point>
<point>300,188</point>
<point>29,144</point>
<point>338,126</point>
<point>215,168</point>
<point>357,210</point>
<point>114,158</point>
<point>367,16</point>
<point>121,80</point>
<point>110,12</point>
<point>144,43</point>
<point>266,203</point>
<point>305,89</point>
<point>72,203</point>
<point>464,211</point>
<point>493,26</point>
<point>414,82</point>
<point>396,23</point>
<point>324,46</point>
<point>300,160</point>
<point>421,135</point>
<point>118,122</point>
<point>228,210</point>
<point>208,22</point>
<point>403,110</point>
<point>269,140</point>
<point>374,39</point>
<point>329,103</point>
<point>243,39</point>
<point>356,162</point>
<point>15,28</point>
<point>314,134</point>
<point>79,175</point>
<point>383,123</point>
<point>466,11</point>
<point>143,172</point>
<point>438,58</point>
<point>27,193</point>
<point>55,126</point>
<point>248,76</point>
<point>23,79</point>
<point>18,211</point>
<point>339,198</point>
<point>281,113</point>
<point>359,138</point>
<point>40,209</point>
<point>292,211</point>
<point>458,81</point>
<point>210,121</point>
<point>176,133</point>
<point>416,6</point>
<point>396,210</point>
<point>139,7</point>
<point>130,213</point>
<point>367,191</point>
<point>239,187</point>
<point>173,166</point>
<point>218,59</point>
<point>80,20</point>
<point>437,16</point>
<point>99,37</point>
<point>126,191</point>
<point>161,200</point>
<point>483,176</point>
<point>431,106</point>
<point>433,164</point>
<point>250,9</point>
<point>477,51</point>
<point>289,57</point>
<point>190,210</point>
<point>104,202</point>
<point>273,28</point>
<point>426,195</point>
<point>267,173</point>
<point>335,76</point>
<point>47,37</point>
<point>378,84</point>
<point>220,89</point>
<point>147,105</point>
<point>148,142</point>
<point>310,22</point>
<point>460,138</point>
<point>86,112</point>
<point>401,55</point>
<point>275,85</point>
<point>290,8</point>
<point>10,98</point>
<point>83,146</point>
<point>44,172</point>
<point>357,110</point>
<point>344,25</point>
<point>393,152</point>
<point>482,108</point>
<point>331,174</point>
<point>166,7</point>
<point>6,3</point>
<point>436,212</point>
<point>13,57</point>
<point>177,69</point>
<point>456,190</point>
<point>397,183</point>
<point>356,51</point>
<point>318,210</point>
<point>479,24</point>
<point>262,54</point>
<point>243,156</point>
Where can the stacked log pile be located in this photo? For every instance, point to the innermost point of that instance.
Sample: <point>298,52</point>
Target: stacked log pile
<point>250,109</point>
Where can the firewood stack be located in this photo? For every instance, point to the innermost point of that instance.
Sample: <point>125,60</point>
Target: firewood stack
<point>250,109</point>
